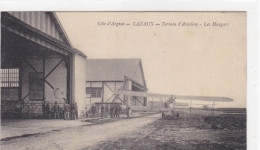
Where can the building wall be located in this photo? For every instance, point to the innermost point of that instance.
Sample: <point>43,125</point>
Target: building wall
<point>138,101</point>
<point>109,88</point>
<point>92,100</point>
<point>46,22</point>
<point>58,79</point>
<point>80,78</point>
<point>138,76</point>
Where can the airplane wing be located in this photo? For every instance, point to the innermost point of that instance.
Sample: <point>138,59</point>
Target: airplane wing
<point>181,104</point>
<point>181,97</point>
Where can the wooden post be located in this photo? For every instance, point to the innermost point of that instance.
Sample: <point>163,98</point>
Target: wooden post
<point>20,81</point>
<point>102,92</point>
<point>68,78</point>
<point>43,71</point>
<point>90,92</point>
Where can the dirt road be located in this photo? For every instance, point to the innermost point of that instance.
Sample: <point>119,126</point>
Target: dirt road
<point>78,137</point>
<point>225,132</point>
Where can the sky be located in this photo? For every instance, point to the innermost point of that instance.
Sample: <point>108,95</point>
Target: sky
<point>202,60</point>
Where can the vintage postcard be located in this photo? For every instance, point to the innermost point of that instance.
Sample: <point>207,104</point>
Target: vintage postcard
<point>124,80</point>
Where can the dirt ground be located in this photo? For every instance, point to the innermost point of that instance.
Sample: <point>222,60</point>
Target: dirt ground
<point>79,137</point>
<point>225,132</point>
<point>145,132</point>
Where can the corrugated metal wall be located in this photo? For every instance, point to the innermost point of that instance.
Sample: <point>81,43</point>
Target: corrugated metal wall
<point>39,20</point>
<point>44,23</point>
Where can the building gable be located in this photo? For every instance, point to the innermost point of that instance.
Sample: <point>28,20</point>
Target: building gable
<point>115,70</point>
<point>138,76</point>
<point>46,22</point>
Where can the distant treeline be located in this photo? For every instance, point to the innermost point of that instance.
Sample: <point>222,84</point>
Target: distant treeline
<point>232,110</point>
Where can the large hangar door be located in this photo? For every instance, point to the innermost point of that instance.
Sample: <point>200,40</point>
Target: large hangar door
<point>56,78</point>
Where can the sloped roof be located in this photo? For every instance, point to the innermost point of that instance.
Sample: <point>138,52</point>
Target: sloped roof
<point>60,28</point>
<point>64,35</point>
<point>114,69</point>
<point>53,22</point>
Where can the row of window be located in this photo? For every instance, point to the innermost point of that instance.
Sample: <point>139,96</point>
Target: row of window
<point>10,77</point>
<point>94,92</point>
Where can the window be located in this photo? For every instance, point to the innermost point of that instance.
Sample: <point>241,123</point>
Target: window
<point>10,77</point>
<point>94,91</point>
<point>36,85</point>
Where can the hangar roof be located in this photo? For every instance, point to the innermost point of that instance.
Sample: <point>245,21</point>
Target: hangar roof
<point>45,24</point>
<point>115,70</point>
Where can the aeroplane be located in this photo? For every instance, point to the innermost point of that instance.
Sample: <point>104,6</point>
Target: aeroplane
<point>207,106</point>
<point>171,99</point>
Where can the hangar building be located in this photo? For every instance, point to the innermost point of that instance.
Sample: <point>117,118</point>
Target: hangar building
<point>38,63</point>
<point>106,76</point>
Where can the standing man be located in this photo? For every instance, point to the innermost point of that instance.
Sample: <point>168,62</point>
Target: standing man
<point>47,109</point>
<point>66,111</point>
<point>127,111</point>
<point>178,115</point>
<point>111,111</point>
<point>106,110</point>
<point>116,111</point>
<point>119,110</point>
<point>61,116</point>
<point>76,111</point>
<point>86,108</point>
<point>102,111</point>
<point>52,111</point>
<point>93,110</point>
<point>56,111</point>
<point>163,114</point>
<point>69,110</point>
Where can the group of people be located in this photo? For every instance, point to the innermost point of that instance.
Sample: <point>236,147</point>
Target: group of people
<point>113,110</point>
<point>66,112</point>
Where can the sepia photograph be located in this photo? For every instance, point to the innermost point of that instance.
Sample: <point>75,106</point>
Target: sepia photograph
<point>150,80</point>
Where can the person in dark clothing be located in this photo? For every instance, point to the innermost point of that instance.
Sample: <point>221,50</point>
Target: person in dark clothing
<point>163,114</point>
<point>56,111</point>
<point>116,111</point>
<point>60,112</point>
<point>111,111</point>
<point>106,110</point>
<point>76,111</point>
<point>119,110</point>
<point>48,111</point>
<point>178,116</point>
<point>86,114</point>
<point>127,111</point>
<point>66,111</point>
<point>93,110</point>
<point>102,111</point>
<point>51,111</point>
